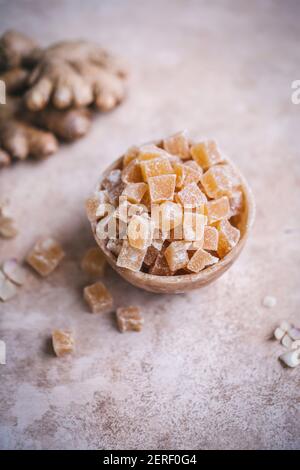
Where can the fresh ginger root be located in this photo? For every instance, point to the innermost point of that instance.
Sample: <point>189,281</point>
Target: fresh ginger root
<point>69,73</point>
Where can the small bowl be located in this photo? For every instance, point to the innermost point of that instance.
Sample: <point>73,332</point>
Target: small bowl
<point>186,282</point>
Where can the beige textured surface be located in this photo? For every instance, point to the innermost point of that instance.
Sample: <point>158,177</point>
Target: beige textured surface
<point>203,373</point>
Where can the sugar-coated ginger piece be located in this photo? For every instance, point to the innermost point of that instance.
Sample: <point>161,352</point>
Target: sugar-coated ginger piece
<point>200,260</point>
<point>179,172</point>
<point>176,255</point>
<point>211,238</point>
<point>45,256</point>
<point>206,154</point>
<point>140,232</point>
<point>219,181</point>
<point>14,272</point>
<point>134,192</point>
<point>113,185</point>
<point>98,298</point>
<point>93,211</point>
<point>132,172</point>
<point>167,215</point>
<point>150,151</point>
<point>93,262</point>
<point>218,209</point>
<point>193,226</point>
<point>161,267</point>
<point>130,257</point>
<point>156,167</point>
<point>161,188</point>
<point>129,319</point>
<point>114,245</point>
<point>8,228</point>
<point>191,196</point>
<point>131,154</point>
<point>8,289</point>
<point>228,237</point>
<point>151,255</point>
<point>63,342</point>
<point>236,203</point>
<point>178,144</point>
<point>192,175</point>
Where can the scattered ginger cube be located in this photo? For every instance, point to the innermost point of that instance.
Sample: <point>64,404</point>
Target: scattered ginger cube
<point>45,256</point>
<point>211,238</point>
<point>218,209</point>
<point>228,237</point>
<point>129,319</point>
<point>200,260</point>
<point>134,192</point>
<point>161,188</point>
<point>93,262</point>
<point>191,196</point>
<point>206,154</point>
<point>178,144</point>
<point>63,342</point>
<point>98,298</point>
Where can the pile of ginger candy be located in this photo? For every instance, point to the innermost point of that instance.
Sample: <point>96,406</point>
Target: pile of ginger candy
<point>173,208</point>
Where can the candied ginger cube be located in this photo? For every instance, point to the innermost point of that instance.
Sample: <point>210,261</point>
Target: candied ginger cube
<point>167,216</point>
<point>98,298</point>
<point>206,154</point>
<point>114,246</point>
<point>218,209</point>
<point>211,238</point>
<point>236,203</point>
<point>140,232</point>
<point>129,319</point>
<point>134,192</point>
<point>156,167</point>
<point>45,256</point>
<point>193,226</point>
<point>178,144</point>
<point>161,188</point>
<point>130,257</point>
<point>200,260</point>
<point>218,181</point>
<point>150,151</point>
<point>176,255</point>
<point>192,175</point>
<point>99,198</point>
<point>191,196</point>
<point>130,155</point>
<point>161,267</point>
<point>63,342</point>
<point>228,237</point>
<point>132,172</point>
<point>151,255</point>
<point>7,288</point>
<point>180,173</point>
<point>93,262</point>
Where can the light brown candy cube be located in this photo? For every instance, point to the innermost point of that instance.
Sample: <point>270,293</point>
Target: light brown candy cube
<point>132,173</point>
<point>93,262</point>
<point>135,192</point>
<point>236,203</point>
<point>130,155</point>
<point>140,232</point>
<point>228,237</point>
<point>218,209</point>
<point>151,255</point>
<point>8,227</point>
<point>63,342</point>
<point>129,319</point>
<point>14,272</point>
<point>130,257</point>
<point>161,188</point>
<point>100,198</point>
<point>178,144</point>
<point>191,196</point>
<point>7,288</point>
<point>211,238</point>
<point>219,181</point>
<point>150,151</point>
<point>206,154</point>
<point>156,167</point>
<point>161,267</point>
<point>176,255</point>
<point>114,245</point>
<point>193,226</point>
<point>98,298</point>
<point>170,216</point>
<point>200,260</point>
<point>45,256</point>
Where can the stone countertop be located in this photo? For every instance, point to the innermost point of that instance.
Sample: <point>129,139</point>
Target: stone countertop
<point>203,373</point>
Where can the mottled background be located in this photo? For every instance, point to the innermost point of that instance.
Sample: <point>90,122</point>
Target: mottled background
<point>203,373</point>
